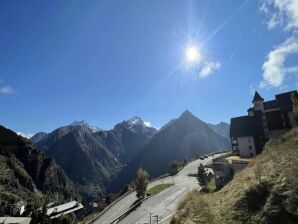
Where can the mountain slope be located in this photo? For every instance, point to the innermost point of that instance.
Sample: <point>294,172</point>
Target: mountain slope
<point>222,128</point>
<point>183,138</point>
<point>27,174</point>
<point>91,159</point>
<point>45,140</point>
<point>126,138</point>
<point>264,192</point>
<point>87,162</point>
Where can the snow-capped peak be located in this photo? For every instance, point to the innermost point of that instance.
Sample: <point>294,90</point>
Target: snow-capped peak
<point>85,124</point>
<point>135,121</point>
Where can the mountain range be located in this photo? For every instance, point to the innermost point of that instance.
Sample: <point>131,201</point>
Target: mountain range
<point>101,161</point>
<point>182,138</point>
<point>92,158</point>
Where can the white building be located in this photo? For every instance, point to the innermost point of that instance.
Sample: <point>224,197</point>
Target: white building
<point>15,220</point>
<point>265,120</point>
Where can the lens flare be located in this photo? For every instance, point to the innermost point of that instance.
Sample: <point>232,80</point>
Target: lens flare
<point>192,54</point>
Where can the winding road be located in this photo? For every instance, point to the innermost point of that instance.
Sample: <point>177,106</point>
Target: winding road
<point>163,204</point>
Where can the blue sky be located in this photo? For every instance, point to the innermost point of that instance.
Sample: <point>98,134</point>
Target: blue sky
<point>106,61</point>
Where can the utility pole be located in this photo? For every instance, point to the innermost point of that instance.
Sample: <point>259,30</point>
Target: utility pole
<point>150,218</point>
<point>156,218</point>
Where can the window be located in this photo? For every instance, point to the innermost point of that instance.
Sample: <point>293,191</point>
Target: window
<point>250,147</point>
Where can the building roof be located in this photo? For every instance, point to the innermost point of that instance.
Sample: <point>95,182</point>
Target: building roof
<point>284,100</point>
<point>257,97</point>
<point>242,126</point>
<point>14,220</point>
<point>63,209</point>
<point>18,204</point>
<point>271,104</point>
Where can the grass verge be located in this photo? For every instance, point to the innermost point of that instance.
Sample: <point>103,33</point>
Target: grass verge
<point>158,188</point>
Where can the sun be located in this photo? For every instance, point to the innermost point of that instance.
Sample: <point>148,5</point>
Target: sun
<point>192,54</point>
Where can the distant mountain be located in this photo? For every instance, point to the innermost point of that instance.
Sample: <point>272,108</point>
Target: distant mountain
<point>182,138</point>
<point>86,125</point>
<point>38,137</point>
<point>126,138</point>
<point>45,140</point>
<point>86,161</point>
<point>222,128</point>
<point>27,174</point>
<point>91,159</point>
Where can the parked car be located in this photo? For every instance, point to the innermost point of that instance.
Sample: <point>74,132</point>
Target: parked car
<point>205,156</point>
<point>201,157</point>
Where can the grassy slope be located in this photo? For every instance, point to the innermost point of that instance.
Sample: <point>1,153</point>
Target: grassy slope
<point>264,192</point>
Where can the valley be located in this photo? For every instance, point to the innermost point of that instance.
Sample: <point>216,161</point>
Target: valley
<point>100,161</point>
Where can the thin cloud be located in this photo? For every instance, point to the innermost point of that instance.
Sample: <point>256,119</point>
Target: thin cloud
<point>274,70</point>
<point>7,90</point>
<point>208,68</point>
<point>283,13</point>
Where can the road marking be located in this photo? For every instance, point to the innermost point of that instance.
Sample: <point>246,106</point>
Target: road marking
<point>167,217</point>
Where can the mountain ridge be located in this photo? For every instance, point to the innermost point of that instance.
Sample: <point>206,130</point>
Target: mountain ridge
<point>27,174</point>
<point>188,135</point>
<point>91,158</point>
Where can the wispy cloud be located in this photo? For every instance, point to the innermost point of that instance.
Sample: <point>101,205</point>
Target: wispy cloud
<point>25,135</point>
<point>274,70</point>
<point>208,68</point>
<point>6,90</point>
<point>283,13</point>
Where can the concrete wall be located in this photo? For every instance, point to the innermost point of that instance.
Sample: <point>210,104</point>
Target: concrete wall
<point>238,166</point>
<point>246,146</point>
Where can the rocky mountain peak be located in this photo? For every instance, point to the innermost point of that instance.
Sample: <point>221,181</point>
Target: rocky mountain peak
<point>85,124</point>
<point>186,114</point>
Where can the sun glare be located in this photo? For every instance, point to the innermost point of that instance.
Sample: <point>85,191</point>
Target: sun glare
<point>192,54</point>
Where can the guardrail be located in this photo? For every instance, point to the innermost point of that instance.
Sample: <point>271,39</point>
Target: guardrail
<point>106,208</point>
<point>123,215</point>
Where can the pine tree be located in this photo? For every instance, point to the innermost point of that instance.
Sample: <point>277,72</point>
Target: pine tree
<point>202,175</point>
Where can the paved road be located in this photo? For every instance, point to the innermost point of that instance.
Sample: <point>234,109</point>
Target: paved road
<point>163,204</point>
